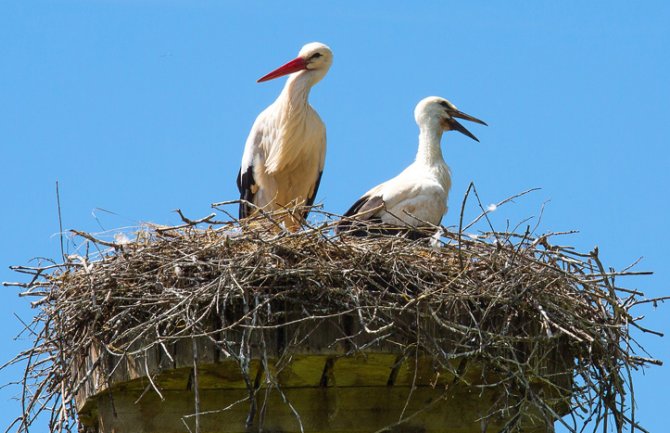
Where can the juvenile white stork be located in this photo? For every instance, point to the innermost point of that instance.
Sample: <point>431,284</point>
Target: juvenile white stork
<point>285,152</point>
<point>419,193</point>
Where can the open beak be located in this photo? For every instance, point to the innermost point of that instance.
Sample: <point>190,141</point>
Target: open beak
<point>456,126</point>
<point>462,115</point>
<point>295,65</point>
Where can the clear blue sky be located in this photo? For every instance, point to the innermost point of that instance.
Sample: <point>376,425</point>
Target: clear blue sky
<point>141,107</point>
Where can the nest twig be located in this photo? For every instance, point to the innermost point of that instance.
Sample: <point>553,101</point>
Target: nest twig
<point>501,298</point>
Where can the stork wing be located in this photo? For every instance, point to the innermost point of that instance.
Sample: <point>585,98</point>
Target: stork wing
<point>388,202</point>
<point>379,199</point>
<point>310,200</point>
<point>247,186</point>
<point>246,183</point>
<point>366,208</point>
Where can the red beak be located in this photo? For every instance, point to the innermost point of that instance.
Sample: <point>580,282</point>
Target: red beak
<point>294,65</point>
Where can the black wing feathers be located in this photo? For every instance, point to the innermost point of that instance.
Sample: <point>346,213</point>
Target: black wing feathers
<point>363,205</point>
<point>367,221</point>
<point>310,200</point>
<point>245,182</point>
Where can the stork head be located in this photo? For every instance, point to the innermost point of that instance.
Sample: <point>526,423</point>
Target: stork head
<point>437,111</point>
<point>315,58</point>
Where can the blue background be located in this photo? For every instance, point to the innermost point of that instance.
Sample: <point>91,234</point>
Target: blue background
<point>141,107</point>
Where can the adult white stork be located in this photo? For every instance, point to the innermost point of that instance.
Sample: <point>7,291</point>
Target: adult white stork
<point>419,193</point>
<point>285,152</point>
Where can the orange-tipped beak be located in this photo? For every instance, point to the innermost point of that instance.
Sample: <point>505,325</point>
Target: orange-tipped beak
<point>294,65</point>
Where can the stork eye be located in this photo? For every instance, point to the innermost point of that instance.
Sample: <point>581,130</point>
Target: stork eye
<point>315,56</point>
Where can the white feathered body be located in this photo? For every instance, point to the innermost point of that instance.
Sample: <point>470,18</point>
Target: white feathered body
<point>419,193</point>
<point>287,149</point>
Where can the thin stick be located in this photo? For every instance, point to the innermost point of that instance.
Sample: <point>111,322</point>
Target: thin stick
<point>60,223</point>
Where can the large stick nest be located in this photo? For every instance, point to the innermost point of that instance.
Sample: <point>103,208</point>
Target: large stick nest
<point>497,298</point>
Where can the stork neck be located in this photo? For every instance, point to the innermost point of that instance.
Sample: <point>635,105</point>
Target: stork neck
<point>296,90</point>
<point>429,145</point>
